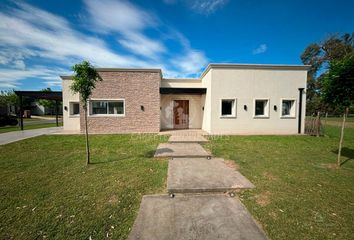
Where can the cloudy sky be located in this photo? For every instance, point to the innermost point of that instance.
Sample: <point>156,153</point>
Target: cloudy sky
<point>40,40</point>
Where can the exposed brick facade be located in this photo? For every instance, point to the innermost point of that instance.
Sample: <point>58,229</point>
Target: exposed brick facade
<point>137,89</point>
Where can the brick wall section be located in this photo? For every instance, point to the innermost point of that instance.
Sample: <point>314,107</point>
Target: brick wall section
<point>137,88</point>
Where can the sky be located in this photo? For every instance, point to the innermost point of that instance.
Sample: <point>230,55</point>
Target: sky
<point>41,40</point>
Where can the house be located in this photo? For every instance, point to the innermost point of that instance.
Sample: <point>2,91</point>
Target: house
<point>225,99</point>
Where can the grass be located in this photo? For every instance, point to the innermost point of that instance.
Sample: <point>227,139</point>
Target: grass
<point>299,193</point>
<point>35,126</point>
<point>47,191</point>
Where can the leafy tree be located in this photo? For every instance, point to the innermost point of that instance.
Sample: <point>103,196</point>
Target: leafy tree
<point>8,98</point>
<point>84,81</point>
<point>48,104</point>
<point>319,56</point>
<point>338,89</point>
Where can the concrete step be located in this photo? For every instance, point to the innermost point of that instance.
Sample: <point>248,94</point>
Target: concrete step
<point>177,150</point>
<point>192,138</point>
<point>197,175</point>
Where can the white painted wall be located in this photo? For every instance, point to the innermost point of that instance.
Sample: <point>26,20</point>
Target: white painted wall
<point>69,122</point>
<point>181,83</point>
<point>206,102</point>
<point>246,85</point>
<point>195,110</point>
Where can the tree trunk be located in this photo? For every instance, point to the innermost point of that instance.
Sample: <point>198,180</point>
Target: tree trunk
<point>87,140</point>
<point>341,137</point>
<point>318,124</point>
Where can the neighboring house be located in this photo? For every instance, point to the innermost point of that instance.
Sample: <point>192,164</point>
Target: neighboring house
<point>225,99</point>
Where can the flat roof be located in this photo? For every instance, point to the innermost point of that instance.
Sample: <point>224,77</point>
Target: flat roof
<point>53,95</point>
<point>254,66</point>
<point>206,70</point>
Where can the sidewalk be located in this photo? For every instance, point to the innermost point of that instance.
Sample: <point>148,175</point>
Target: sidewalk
<point>15,136</point>
<point>201,209</point>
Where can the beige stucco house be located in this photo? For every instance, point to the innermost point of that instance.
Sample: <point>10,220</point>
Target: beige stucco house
<point>225,99</point>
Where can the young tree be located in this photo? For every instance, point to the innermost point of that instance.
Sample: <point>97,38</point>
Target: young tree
<point>84,81</point>
<point>338,89</point>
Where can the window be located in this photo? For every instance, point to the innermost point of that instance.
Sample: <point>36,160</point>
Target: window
<point>288,108</point>
<point>74,108</point>
<point>261,108</point>
<point>111,107</point>
<point>228,107</point>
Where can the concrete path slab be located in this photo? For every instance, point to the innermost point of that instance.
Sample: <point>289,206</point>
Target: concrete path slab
<point>192,175</point>
<point>193,138</point>
<point>204,217</point>
<point>180,150</point>
<point>15,136</point>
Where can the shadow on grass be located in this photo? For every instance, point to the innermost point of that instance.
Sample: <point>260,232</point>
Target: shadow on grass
<point>346,152</point>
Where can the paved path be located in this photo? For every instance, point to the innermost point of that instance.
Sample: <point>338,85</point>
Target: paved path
<point>15,136</point>
<point>193,213</point>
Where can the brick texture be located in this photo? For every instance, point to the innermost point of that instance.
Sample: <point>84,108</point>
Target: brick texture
<point>138,89</point>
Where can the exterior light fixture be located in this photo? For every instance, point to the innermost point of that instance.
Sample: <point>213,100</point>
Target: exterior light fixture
<point>245,107</point>
<point>275,108</point>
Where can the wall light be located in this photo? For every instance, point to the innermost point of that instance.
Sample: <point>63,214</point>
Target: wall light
<point>275,108</point>
<point>142,108</point>
<point>245,107</point>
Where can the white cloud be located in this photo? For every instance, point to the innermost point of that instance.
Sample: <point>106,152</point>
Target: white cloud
<point>9,77</point>
<point>28,33</point>
<point>261,49</point>
<point>205,7</point>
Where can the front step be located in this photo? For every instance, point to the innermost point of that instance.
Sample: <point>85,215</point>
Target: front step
<point>197,175</point>
<point>178,150</point>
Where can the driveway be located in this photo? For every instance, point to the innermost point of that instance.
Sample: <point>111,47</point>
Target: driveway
<point>15,136</point>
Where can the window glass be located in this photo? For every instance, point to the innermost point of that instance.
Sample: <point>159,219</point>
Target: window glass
<point>287,108</point>
<point>99,107</point>
<point>115,108</point>
<point>226,107</point>
<point>260,107</point>
<point>75,108</point>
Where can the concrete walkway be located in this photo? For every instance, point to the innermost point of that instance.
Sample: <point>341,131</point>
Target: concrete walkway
<point>15,136</point>
<point>200,209</point>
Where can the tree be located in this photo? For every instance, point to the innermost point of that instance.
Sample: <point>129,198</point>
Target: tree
<point>338,89</point>
<point>84,81</point>
<point>47,104</point>
<point>319,56</point>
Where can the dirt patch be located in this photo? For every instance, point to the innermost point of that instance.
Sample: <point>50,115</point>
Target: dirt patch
<point>329,165</point>
<point>269,176</point>
<point>113,199</point>
<point>232,164</point>
<point>263,199</point>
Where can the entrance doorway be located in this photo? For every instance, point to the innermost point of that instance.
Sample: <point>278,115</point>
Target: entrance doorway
<point>181,114</point>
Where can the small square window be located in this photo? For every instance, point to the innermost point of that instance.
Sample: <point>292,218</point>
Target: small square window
<point>261,108</point>
<point>74,108</point>
<point>288,108</point>
<point>228,108</point>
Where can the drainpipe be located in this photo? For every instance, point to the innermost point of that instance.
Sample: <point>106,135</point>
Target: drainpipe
<point>300,109</point>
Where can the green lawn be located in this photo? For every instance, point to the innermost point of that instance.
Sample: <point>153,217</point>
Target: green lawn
<point>35,126</point>
<point>47,191</point>
<point>299,193</point>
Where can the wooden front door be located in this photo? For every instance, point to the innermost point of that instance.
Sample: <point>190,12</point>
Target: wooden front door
<point>181,114</point>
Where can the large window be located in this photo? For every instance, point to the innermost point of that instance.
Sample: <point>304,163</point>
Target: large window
<point>103,107</point>
<point>287,108</point>
<point>261,108</point>
<point>74,108</point>
<point>228,107</point>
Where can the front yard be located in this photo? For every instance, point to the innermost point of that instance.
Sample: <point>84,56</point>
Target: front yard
<point>299,193</point>
<point>48,192</point>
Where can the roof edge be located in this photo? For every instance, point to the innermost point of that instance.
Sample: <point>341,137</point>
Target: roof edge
<point>254,66</point>
<point>158,70</point>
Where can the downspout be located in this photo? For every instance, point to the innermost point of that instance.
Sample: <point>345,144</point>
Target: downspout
<point>300,110</point>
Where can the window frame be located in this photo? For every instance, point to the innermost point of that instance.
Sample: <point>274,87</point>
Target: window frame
<point>266,110</point>
<point>233,109</point>
<point>70,107</point>
<point>89,112</point>
<point>294,108</point>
